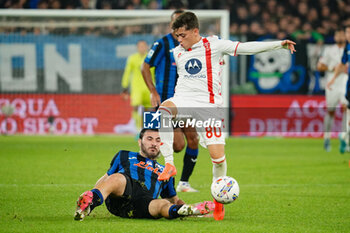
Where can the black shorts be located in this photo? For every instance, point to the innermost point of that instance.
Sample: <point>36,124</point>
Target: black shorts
<point>134,202</point>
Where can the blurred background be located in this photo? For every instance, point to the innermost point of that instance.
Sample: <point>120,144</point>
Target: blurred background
<point>60,71</point>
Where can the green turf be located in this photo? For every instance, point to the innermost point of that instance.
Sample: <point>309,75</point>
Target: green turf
<point>287,185</point>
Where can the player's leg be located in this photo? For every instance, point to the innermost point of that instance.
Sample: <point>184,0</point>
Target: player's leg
<point>113,184</point>
<point>344,135</point>
<point>160,208</point>
<point>327,125</point>
<point>189,160</point>
<point>332,99</point>
<point>217,154</point>
<point>179,140</point>
<point>344,100</point>
<point>136,103</point>
<point>347,125</point>
<point>168,110</point>
<point>163,208</point>
<point>347,115</point>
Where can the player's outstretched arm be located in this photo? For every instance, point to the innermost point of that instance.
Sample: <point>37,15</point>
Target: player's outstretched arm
<point>147,76</point>
<point>254,47</point>
<point>288,44</point>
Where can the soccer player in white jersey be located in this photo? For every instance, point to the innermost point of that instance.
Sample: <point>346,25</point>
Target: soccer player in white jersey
<point>329,59</point>
<point>343,67</point>
<point>199,62</point>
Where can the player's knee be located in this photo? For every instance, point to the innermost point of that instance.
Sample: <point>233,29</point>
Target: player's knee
<point>178,145</point>
<point>117,179</point>
<point>331,113</point>
<point>159,207</point>
<point>192,142</point>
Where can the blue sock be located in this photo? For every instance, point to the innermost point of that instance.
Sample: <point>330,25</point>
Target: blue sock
<point>192,152</point>
<point>173,211</point>
<point>190,160</point>
<point>97,198</point>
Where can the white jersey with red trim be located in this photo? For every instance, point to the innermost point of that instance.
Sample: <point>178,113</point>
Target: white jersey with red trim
<point>200,67</point>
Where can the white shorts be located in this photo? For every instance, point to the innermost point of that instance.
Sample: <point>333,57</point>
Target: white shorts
<point>337,94</point>
<point>207,118</point>
<point>334,97</point>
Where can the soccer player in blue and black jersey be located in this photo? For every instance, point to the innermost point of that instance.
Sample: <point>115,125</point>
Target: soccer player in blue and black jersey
<point>161,57</point>
<point>131,188</point>
<point>344,67</point>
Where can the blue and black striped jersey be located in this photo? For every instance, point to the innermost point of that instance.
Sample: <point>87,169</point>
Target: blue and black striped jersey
<point>346,55</point>
<point>161,57</point>
<point>144,171</point>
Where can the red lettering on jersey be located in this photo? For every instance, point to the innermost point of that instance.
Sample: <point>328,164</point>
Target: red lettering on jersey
<point>149,167</point>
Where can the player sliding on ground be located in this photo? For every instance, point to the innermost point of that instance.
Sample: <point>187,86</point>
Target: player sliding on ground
<point>199,62</point>
<point>130,188</point>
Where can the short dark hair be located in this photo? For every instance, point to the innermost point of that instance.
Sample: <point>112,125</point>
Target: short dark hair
<point>144,130</point>
<point>178,11</point>
<point>188,20</point>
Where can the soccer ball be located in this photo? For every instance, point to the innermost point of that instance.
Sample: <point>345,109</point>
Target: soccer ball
<point>225,189</point>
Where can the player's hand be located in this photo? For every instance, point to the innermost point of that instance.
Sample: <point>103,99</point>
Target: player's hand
<point>125,95</point>
<point>155,99</point>
<point>288,44</point>
<point>329,84</point>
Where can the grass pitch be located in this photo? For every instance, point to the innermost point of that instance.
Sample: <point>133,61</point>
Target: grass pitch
<point>287,185</point>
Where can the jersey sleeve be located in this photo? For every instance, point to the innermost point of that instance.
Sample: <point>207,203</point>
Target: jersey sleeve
<point>154,56</point>
<point>168,190</point>
<point>345,57</point>
<point>228,47</point>
<point>249,48</point>
<point>115,164</point>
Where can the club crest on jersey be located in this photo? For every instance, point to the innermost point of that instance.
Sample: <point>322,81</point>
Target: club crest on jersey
<point>193,66</point>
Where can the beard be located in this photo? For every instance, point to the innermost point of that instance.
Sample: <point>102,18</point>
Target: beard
<point>150,154</point>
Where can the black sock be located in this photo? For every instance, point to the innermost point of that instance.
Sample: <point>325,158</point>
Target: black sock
<point>97,198</point>
<point>190,160</point>
<point>173,211</point>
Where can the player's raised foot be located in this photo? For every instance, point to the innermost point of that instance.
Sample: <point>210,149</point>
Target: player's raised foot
<point>184,186</point>
<point>327,145</point>
<point>342,146</point>
<point>83,206</point>
<point>168,172</point>
<point>219,211</point>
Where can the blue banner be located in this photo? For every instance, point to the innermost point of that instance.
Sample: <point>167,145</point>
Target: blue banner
<point>97,52</point>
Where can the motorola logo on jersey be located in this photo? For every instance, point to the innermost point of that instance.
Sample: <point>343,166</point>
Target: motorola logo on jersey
<point>193,66</point>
